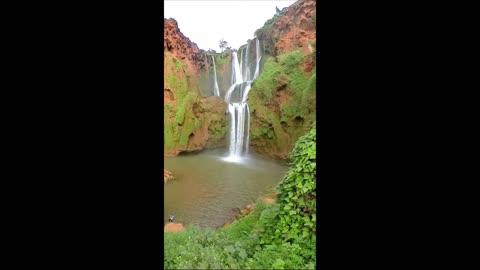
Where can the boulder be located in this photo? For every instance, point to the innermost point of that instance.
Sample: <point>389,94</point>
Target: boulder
<point>173,227</point>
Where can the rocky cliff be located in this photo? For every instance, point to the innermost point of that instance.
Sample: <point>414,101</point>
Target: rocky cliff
<point>283,98</point>
<point>191,120</point>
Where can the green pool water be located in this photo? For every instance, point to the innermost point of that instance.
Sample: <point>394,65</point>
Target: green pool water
<point>207,188</point>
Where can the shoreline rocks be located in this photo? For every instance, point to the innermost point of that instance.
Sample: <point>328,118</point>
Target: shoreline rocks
<point>173,227</point>
<point>167,176</point>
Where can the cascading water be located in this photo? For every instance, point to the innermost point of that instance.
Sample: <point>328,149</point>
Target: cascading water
<point>236,66</point>
<point>236,98</point>
<point>257,67</point>
<point>241,64</point>
<point>216,91</point>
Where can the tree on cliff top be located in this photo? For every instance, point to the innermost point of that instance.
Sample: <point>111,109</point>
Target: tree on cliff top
<point>223,44</point>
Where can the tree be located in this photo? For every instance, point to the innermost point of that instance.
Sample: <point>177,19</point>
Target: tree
<point>277,10</point>
<point>223,44</point>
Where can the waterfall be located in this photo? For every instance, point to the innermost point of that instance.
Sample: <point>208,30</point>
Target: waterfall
<point>236,98</point>
<point>246,74</point>
<point>236,66</point>
<point>257,68</point>
<point>232,80</point>
<point>241,64</point>
<point>216,91</point>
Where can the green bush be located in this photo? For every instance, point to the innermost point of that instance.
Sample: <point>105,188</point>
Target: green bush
<point>295,221</point>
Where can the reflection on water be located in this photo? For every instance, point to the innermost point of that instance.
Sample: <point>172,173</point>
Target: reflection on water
<point>207,187</point>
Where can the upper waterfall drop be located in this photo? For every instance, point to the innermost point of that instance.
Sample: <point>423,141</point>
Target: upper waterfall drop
<point>246,69</point>
<point>216,91</point>
<point>236,66</point>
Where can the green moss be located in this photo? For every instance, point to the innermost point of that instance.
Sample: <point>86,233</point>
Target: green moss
<point>294,114</point>
<point>291,60</point>
<point>218,129</point>
<point>184,104</point>
<point>260,132</point>
<point>175,77</point>
<point>178,64</point>
<point>168,132</point>
<point>286,70</point>
<point>288,111</point>
<point>176,134</point>
<point>167,108</point>
<point>266,81</point>
<point>222,58</point>
<point>309,93</point>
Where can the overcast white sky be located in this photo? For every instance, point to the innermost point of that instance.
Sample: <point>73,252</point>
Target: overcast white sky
<point>206,22</point>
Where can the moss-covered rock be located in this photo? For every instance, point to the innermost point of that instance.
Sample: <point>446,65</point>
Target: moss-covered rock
<point>282,102</point>
<point>186,127</point>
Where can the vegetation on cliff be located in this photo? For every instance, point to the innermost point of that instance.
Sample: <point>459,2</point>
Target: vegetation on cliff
<point>179,120</point>
<point>282,101</point>
<point>188,118</point>
<point>283,98</point>
<point>278,236</point>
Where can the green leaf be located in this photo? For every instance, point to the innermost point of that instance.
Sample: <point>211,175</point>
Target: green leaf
<point>230,249</point>
<point>242,254</point>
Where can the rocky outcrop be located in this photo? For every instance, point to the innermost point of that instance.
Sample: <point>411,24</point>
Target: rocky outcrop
<point>283,98</point>
<point>294,28</point>
<point>181,47</point>
<point>192,121</point>
<point>167,176</point>
<point>173,227</point>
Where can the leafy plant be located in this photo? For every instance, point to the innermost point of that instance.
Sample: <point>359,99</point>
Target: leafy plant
<point>296,219</point>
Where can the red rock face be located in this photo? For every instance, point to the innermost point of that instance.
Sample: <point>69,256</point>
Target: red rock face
<point>168,96</point>
<point>296,27</point>
<point>181,47</point>
<point>173,227</point>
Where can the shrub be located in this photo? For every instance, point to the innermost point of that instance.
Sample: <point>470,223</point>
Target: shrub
<point>296,218</point>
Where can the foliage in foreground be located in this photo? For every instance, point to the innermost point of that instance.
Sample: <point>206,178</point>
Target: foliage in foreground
<point>278,236</point>
<point>235,247</point>
<point>297,216</point>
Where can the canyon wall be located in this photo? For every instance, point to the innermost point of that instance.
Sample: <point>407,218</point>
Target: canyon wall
<point>192,120</point>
